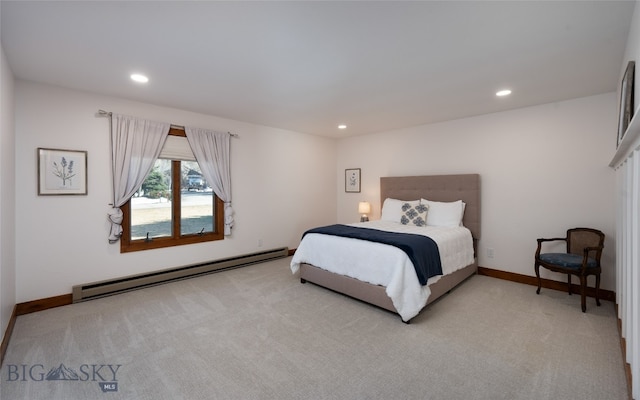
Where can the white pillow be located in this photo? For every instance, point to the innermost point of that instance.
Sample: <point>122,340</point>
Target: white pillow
<point>444,213</point>
<point>392,209</point>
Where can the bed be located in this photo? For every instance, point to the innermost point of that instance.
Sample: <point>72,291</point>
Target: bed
<point>402,293</point>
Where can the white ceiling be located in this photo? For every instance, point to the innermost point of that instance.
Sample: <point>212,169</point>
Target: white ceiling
<point>308,66</point>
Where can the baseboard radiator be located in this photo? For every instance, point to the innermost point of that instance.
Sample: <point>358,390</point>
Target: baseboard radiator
<point>95,290</point>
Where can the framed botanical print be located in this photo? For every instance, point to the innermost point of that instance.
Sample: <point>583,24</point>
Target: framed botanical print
<point>626,101</point>
<point>62,172</point>
<point>352,180</point>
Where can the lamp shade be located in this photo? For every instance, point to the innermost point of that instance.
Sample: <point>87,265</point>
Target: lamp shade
<point>364,207</point>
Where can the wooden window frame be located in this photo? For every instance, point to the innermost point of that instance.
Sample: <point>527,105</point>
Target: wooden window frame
<point>177,239</point>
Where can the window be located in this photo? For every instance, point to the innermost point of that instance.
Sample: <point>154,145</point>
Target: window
<point>174,206</point>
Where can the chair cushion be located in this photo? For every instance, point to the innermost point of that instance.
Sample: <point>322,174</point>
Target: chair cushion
<point>567,260</point>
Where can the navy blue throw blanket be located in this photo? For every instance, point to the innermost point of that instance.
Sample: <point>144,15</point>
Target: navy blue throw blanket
<point>422,250</point>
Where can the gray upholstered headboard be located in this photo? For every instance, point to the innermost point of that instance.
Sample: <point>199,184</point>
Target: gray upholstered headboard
<point>438,188</point>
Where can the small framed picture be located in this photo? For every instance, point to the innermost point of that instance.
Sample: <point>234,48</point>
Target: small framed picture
<point>62,172</point>
<point>352,180</point>
<point>626,101</point>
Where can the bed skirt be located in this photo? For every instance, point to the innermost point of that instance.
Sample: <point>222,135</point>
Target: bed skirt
<point>375,294</point>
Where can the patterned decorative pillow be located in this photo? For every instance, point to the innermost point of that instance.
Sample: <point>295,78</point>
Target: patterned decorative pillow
<point>392,209</point>
<point>414,214</point>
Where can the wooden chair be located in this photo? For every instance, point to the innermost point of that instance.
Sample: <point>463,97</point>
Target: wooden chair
<point>584,249</point>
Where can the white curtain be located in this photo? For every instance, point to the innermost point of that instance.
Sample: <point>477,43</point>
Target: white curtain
<point>135,146</point>
<point>212,153</point>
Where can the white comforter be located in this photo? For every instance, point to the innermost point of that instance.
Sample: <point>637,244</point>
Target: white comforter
<point>386,265</point>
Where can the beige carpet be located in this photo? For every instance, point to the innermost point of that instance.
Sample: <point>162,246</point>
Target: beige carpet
<point>257,333</point>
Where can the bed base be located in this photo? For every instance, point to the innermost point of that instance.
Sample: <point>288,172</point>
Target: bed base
<point>375,294</point>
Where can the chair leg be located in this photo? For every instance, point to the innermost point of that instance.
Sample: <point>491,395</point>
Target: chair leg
<point>537,269</point>
<point>598,289</point>
<point>583,294</point>
<point>569,283</point>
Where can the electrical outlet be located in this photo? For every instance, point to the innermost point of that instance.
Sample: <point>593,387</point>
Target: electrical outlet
<point>259,242</point>
<point>489,252</point>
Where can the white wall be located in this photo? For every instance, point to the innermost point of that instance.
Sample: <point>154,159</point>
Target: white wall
<point>282,184</point>
<point>7,198</point>
<point>543,170</point>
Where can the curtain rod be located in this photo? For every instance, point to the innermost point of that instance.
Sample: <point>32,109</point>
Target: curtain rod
<point>109,113</point>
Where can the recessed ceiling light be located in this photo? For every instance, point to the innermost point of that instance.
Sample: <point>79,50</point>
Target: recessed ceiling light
<point>139,78</point>
<point>504,92</point>
<point>342,126</point>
